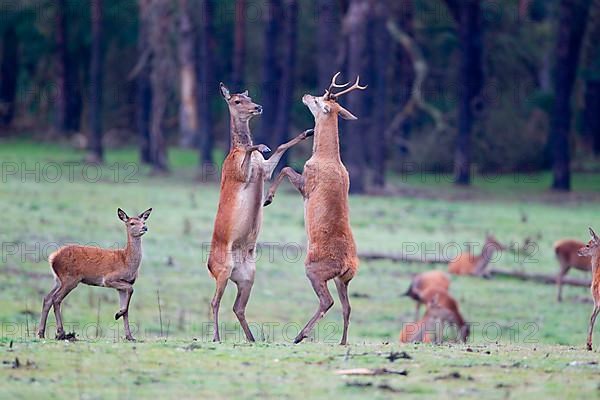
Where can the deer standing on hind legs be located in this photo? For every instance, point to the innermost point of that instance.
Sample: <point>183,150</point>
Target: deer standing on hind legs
<point>239,216</point>
<point>324,186</point>
<point>592,249</point>
<point>117,269</point>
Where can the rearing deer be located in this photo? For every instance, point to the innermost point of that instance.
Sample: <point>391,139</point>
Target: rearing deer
<point>239,216</point>
<point>117,269</point>
<point>324,186</point>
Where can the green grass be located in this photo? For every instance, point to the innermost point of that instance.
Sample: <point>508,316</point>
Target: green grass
<point>524,344</point>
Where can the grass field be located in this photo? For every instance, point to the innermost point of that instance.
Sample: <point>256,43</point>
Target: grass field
<point>524,343</point>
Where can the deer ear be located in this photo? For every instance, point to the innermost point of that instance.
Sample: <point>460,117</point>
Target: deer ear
<point>594,236</point>
<point>144,216</point>
<point>347,115</point>
<point>246,93</point>
<point>225,91</point>
<point>122,215</point>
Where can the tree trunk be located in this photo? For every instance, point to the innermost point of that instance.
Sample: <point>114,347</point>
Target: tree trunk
<point>354,147</point>
<point>95,150</point>
<point>591,115</point>
<point>207,85</point>
<point>380,59</point>
<point>471,83</point>
<point>144,87</point>
<point>9,72</point>
<point>288,68</point>
<point>328,28</point>
<point>239,45</point>
<point>571,28</point>
<point>159,78</point>
<point>188,111</point>
<point>61,67</point>
<point>270,73</point>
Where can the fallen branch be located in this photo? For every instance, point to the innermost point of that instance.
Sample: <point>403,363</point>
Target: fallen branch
<point>540,278</point>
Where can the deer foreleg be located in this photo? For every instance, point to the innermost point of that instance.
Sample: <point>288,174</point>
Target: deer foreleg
<point>272,162</point>
<point>295,179</point>
<point>247,162</point>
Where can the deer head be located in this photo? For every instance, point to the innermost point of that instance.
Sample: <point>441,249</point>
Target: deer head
<point>136,226</point>
<point>592,247</point>
<point>327,105</point>
<point>240,105</point>
<point>493,243</point>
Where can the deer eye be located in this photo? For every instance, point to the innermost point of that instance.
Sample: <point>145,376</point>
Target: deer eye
<point>238,102</point>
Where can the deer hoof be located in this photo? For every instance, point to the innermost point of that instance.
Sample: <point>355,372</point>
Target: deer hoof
<point>119,314</point>
<point>309,133</point>
<point>41,335</point>
<point>299,338</point>
<point>268,201</point>
<point>130,338</point>
<point>589,347</point>
<point>263,148</point>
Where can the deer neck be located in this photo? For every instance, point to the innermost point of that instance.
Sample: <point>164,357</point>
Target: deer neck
<point>327,142</point>
<point>240,133</point>
<point>133,252</point>
<point>486,255</point>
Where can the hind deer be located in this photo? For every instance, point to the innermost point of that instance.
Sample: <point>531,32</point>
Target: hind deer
<point>592,249</point>
<point>441,309</point>
<point>469,264</point>
<point>324,186</point>
<point>239,215</point>
<point>566,251</point>
<point>419,289</point>
<point>117,269</point>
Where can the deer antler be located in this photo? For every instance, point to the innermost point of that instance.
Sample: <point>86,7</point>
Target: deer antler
<point>356,86</point>
<point>334,84</point>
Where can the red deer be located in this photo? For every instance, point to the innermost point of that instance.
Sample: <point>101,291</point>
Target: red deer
<point>441,309</point>
<point>117,269</point>
<point>567,256</point>
<point>239,215</point>
<point>592,249</point>
<point>324,186</point>
<point>469,264</point>
<point>420,284</point>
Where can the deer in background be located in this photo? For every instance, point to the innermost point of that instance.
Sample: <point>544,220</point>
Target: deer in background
<point>592,249</point>
<point>566,251</point>
<point>469,264</point>
<point>441,309</point>
<point>419,289</point>
<point>324,186</point>
<point>239,215</point>
<point>117,269</point>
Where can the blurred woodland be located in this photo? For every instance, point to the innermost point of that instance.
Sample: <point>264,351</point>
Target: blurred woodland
<point>461,86</point>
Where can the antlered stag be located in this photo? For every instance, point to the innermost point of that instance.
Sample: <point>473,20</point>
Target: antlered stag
<point>239,216</point>
<point>324,186</point>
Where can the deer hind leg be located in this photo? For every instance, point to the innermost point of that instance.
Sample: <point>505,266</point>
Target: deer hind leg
<point>124,300</point>
<point>47,304</point>
<point>591,328</point>
<point>342,289</point>
<point>325,303</point>
<point>295,179</point>
<point>559,281</point>
<point>57,299</point>
<point>221,284</point>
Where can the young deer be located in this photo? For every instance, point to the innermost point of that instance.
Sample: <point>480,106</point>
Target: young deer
<point>117,269</point>
<point>566,251</point>
<point>592,249</point>
<point>420,285</point>
<point>469,264</point>
<point>239,216</point>
<point>441,309</point>
<point>324,186</point>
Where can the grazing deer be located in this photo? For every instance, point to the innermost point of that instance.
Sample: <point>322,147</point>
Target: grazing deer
<point>420,285</point>
<point>469,264</point>
<point>117,269</point>
<point>441,309</point>
<point>324,186</point>
<point>566,251</point>
<point>239,216</point>
<point>592,249</point>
